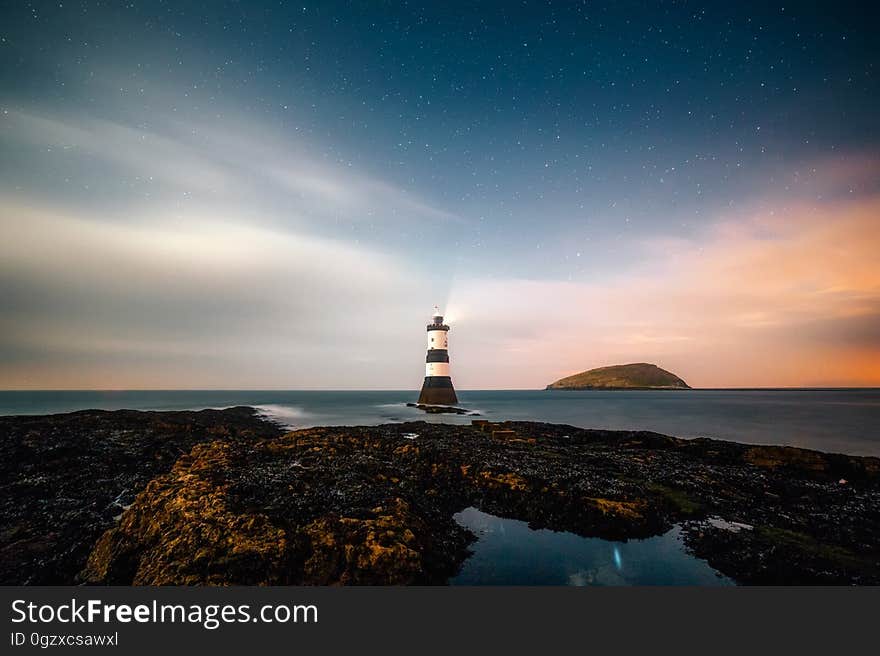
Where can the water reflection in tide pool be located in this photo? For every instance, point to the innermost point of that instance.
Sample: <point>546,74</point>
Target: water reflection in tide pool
<point>508,552</point>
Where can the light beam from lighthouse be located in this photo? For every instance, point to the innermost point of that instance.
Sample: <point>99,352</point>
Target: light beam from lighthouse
<point>437,388</point>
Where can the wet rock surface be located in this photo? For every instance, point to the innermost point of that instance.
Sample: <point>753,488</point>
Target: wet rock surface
<point>442,409</point>
<point>65,478</point>
<point>374,505</point>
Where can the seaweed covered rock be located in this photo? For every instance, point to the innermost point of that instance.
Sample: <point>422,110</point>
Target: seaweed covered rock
<point>187,534</point>
<point>67,478</point>
<point>374,505</point>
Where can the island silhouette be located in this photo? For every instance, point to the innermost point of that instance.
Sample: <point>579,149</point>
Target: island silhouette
<point>638,375</point>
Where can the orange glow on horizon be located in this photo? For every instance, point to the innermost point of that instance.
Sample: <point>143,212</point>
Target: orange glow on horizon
<point>783,299</point>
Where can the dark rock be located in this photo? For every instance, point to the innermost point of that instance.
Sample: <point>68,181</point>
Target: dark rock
<point>374,505</point>
<point>65,478</point>
<point>443,409</point>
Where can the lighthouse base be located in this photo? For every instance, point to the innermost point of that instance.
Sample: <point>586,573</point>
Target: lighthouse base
<point>438,390</point>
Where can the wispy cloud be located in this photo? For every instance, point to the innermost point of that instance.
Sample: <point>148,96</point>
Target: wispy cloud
<point>139,151</point>
<point>220,163</point>
<point>257,305</point>
<point>230,258</point>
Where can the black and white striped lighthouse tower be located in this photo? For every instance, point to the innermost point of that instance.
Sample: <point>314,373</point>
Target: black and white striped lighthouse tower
<point>437,388</point>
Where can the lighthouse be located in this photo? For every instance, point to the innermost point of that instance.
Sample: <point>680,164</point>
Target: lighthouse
<point>437,388</point>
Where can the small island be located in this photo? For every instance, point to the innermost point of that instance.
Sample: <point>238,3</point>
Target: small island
<point>636,376</point>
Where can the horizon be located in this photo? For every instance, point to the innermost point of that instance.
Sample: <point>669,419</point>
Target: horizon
<point>265,198</point>
<point>463,389</point>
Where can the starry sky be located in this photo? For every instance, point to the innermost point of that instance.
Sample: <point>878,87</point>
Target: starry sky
<point>275,195</point>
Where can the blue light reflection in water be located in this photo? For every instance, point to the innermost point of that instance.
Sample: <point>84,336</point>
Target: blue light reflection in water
<point>508,552</point>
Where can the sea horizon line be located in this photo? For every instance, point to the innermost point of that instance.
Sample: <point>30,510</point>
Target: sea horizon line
<point>414,389</point>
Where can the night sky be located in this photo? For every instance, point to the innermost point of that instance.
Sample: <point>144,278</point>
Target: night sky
<point>275,195</point>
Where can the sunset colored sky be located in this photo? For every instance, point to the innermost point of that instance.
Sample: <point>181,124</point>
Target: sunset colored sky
<point>259,196</point>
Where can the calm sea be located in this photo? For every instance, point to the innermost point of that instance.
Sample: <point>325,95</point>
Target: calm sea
<point>843,420</point>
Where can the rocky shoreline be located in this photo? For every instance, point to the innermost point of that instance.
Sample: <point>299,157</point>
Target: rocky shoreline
<point>224,497</point>
<point>67,478</point>
<point>442,409</point>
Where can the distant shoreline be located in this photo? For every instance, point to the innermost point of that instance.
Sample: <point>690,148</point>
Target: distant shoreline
<point>413,390</point>
<point>616,389</point>
<point>698,389</point>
